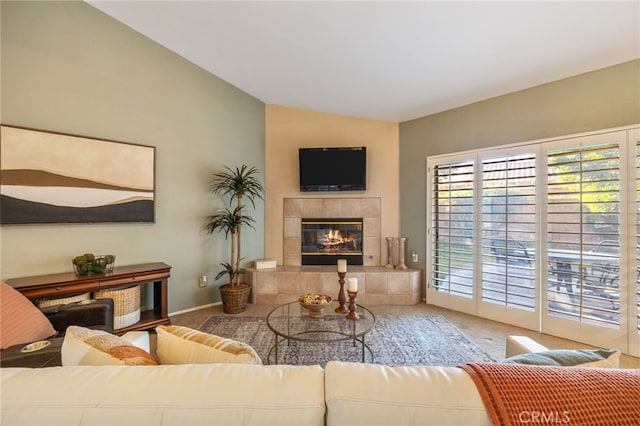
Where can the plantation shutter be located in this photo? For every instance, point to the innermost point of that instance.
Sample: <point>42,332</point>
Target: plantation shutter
<point>583,234</point>
<point>509,231</point>
<point>452,228</point>
<point>637,247</point>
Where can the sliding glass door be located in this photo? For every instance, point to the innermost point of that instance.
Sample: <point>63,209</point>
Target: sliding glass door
<point>544,236</point>
<point>508,236</point>
<point>451,245</point>
<point>585,208</point>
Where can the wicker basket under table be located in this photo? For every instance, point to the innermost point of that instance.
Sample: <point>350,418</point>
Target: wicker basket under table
<point>126,305</point>
<point>47,302</point>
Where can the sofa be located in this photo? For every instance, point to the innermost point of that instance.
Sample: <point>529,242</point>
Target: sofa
<point>231,394</point>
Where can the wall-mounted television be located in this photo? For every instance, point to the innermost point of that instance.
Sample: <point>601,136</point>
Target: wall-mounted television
<point>333,169</point>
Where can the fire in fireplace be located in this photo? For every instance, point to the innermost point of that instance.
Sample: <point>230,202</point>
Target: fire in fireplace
<point>324,241</point>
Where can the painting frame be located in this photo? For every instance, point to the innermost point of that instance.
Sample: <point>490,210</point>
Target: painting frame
<point>58,178</point>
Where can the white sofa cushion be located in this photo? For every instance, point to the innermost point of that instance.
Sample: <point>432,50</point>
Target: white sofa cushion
<point>370,394</point>
<point>223,394</point>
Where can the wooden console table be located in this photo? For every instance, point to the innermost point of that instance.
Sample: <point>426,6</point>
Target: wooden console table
<point>65,284</point>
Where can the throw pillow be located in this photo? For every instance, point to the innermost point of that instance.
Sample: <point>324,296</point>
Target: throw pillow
<point>20,320</point>
<point>599,358</point>
<point>183,345</point>
<point>84,346</point>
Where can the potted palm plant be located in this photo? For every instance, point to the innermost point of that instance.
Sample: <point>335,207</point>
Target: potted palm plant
<point>236,184</point>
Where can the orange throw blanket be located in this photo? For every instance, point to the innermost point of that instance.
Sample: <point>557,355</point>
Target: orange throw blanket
<point>516,394</point>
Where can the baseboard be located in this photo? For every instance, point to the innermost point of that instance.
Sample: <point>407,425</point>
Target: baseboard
<point>195,308</point>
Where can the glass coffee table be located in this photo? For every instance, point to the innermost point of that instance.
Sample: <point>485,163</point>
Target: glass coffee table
<point>292,323</point>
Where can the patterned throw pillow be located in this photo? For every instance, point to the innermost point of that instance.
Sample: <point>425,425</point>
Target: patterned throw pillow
<point>183,345</point>
<point>84,346</point>
<point>598,358</point>
<point>20,320</point>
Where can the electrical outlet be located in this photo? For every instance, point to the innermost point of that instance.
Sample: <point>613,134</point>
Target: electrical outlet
<point>414,257</point>
<point>202,281</point>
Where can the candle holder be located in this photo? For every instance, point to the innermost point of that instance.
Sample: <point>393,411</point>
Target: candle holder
<point>342,299</point>
<point>352,315</point>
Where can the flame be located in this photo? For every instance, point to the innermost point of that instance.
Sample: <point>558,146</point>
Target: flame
<point>334,238</point>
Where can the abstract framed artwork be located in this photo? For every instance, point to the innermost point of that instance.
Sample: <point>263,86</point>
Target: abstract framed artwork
<point>50,177</point>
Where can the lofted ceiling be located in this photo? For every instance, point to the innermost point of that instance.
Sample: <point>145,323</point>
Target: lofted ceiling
<point>387,60</point>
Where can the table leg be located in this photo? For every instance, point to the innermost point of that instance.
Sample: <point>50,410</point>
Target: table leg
<point>353,332</point>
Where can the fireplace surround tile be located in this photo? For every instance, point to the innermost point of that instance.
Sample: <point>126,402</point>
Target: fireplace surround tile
<point>292,227</point>
<point>292,248</point>
<point>330,283</point>
<point>289,283</point>
<point>331,207</point>
<point>371,227</point>
<point>268,283</point>
<point>350,207</point>
<point>293,207</point>
<point>311,283</point>
<point>376,283</point>
<point>312,207</point>
<point>371,207</point>
<point>399,283</point>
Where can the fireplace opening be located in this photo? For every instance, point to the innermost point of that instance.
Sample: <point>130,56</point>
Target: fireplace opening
<point>326,240</point>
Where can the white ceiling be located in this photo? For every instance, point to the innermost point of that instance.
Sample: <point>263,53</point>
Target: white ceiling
<point>387,60</point>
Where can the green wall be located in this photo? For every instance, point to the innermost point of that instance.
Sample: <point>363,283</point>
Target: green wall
<point>67,67</point>
<point>602,99</point>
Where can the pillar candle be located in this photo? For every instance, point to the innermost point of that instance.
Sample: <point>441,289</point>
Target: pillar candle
<point>352,285</point>
<point>342,265</point>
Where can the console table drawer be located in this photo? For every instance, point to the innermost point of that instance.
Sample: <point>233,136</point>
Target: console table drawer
<point>58,290</point>
<point>131,280</point>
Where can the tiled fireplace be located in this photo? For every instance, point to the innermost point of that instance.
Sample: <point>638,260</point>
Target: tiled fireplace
<point>376,284</point>
<point>366,210</point>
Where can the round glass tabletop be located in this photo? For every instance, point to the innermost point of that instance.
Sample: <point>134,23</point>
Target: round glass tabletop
<point>291,321</point>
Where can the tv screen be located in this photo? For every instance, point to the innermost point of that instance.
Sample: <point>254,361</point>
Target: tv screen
<point>333,169</point>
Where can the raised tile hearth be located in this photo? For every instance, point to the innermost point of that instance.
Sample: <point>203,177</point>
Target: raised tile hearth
<point>376,284</point>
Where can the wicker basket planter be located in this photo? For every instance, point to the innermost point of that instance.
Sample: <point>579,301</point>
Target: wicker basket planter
<point>126,305</point>
<point>234,299</point>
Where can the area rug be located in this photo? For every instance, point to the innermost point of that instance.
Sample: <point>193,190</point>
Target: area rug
<point>394,340</point>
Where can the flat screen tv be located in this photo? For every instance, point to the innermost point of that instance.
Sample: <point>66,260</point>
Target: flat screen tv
<point>333,169</point>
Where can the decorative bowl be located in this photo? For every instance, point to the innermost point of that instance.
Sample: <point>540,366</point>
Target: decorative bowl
<point>88,264</point>
<point>315,303</point>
